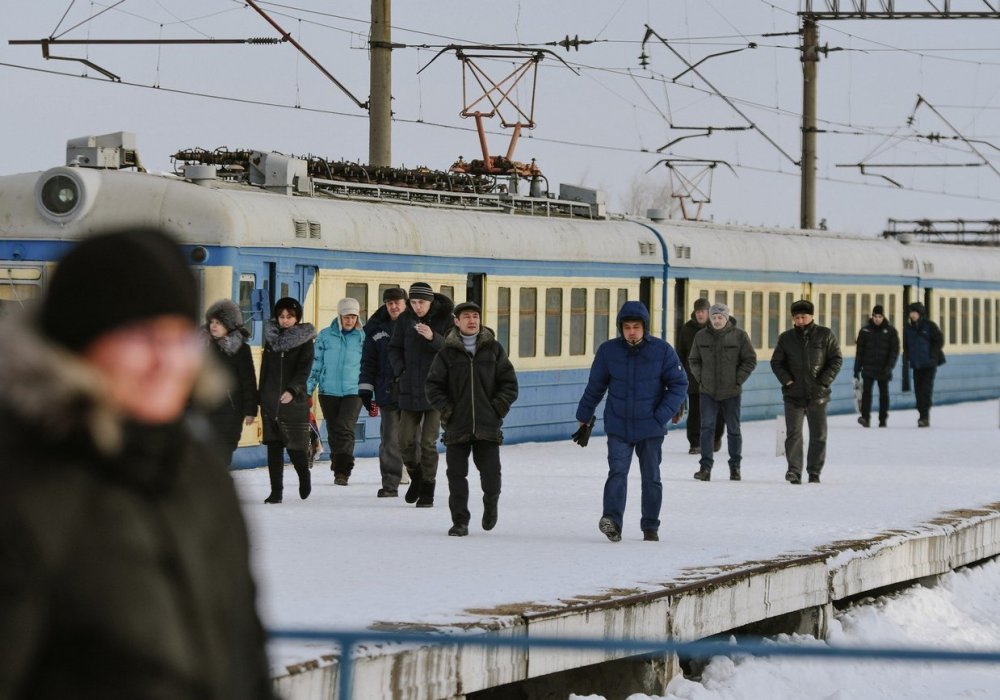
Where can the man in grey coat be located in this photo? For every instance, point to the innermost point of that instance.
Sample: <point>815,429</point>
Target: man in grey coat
<point>722,358</point>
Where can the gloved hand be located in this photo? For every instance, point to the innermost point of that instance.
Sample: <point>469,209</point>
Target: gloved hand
<point>582,436</point>
<point>373,410</point>
<point>366,399</point>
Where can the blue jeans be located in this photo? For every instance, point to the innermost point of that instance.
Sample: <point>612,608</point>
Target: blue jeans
<point>616,487</point>
<point>711,410</point>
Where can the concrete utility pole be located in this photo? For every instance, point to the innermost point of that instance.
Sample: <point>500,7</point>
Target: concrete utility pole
<point>380,98</point>
<point>810,59</point>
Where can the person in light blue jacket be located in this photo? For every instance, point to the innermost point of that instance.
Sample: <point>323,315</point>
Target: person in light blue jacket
<point>335,370</point>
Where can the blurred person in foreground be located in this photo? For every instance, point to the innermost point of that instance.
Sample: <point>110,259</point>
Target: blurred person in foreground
<point>124,566</point>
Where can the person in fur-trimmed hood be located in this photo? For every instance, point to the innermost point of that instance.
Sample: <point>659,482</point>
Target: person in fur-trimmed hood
<point>124,564</point>
<point>228,341</point>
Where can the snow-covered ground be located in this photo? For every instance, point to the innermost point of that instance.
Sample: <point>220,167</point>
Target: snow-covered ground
<point>961,612</point>
<point>345,559</point>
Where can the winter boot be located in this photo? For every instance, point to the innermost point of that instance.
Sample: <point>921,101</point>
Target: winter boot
<point>276,475</point>
<point>305,482</point>
<point>734,474</point>
<point>610,529</point>
<point>864,422</point>
<point>650,536</point>
<point>703,475</point>
<point>793,478</point>
<point>426,497</point>
<point>814,478</point>
<point>413,490</point>
<point>489,513</point>
<point>458,530</point>
<point>388,493</point>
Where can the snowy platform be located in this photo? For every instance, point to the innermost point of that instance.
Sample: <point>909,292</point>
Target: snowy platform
<point>895,505</point>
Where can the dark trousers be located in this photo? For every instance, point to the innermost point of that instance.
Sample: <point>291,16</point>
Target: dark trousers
<point>620,452</point>
<point>923,389</point>
<point>228,428</point>
<point>420,429</point>
<point>694,422</point>
<point>729,409</point>
<point>486,456</point>
<point>341,415</point>
<point>883,398</point>
<point>815,413</point>
<point>276,465</point>
<point>390,459</point>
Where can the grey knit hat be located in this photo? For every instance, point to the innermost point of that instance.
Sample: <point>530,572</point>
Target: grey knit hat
<point>719,308</point>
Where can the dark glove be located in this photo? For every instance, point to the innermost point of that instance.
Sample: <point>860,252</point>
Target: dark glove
<point>582,436</point>
<point>366,399</point>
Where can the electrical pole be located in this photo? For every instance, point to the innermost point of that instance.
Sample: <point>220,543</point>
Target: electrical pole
<point>380,98</point>
<point>810,59</point>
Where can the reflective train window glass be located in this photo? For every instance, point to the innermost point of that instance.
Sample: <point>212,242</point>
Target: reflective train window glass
<point>15,295</point>
<point>382,288</point>
<point>248,283</point>
<point>553,322</point>
<point>835,315</point>
<point>865,310</point>
<point>284,289</point>
<point>622,298</point>
<point>821,311</point>
<point>953,320</point>
<point>756,318</point>
<point>852,318</point>
<point>996,321</point>
<point>977,317</point>
<point>988,320</point>
<point>880,301</point>
<point>965,321</point>
<point>602,303</point>
<point>739,309</point>
<point>703,294</point>
<point>578,321</point>
<point>892,304</point>
<point>773,319</point>
<point>448,290</point>
<point>528,322</point>
<point>503,317</point>
<point>359,291</point>
<point>721,297</point>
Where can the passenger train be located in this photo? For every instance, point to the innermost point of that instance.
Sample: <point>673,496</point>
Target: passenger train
<point>549,272</point>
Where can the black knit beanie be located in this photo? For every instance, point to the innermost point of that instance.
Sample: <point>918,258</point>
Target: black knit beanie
<point>289,304</point>
<point>113,280</point>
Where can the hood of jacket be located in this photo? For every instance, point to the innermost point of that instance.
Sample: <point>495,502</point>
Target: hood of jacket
<point>454,338</point>
<point>634,309</point>
<point>378,321</point>
<point>439,316</point>
<point>283,339</point>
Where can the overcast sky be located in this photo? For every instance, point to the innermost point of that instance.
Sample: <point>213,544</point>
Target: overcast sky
<point>600,128</point>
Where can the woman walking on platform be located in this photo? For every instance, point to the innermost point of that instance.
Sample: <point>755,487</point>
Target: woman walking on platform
<point>228,343</point>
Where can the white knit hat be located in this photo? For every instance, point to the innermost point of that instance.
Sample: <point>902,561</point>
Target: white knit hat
<point>348,307</point>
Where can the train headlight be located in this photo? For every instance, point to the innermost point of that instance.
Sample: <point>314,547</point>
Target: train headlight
<point>60,195</point>
<point>65,194</point>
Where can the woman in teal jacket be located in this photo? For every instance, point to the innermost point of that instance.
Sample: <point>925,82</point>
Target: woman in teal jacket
<point>335,370</point>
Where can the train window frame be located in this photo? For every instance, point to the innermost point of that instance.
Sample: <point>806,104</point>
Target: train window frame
<point>836,314</point>
<point>552,342</point>
<point>621,299</point>
<point>953,328</point>
<point>756,318</point>
<point>851,319</point>
<point>977,314</point>
<point>527,323</point>
<point>359,292</point>
<point>988,322</point>
<point>448,290</point>
<point>503,316</point>
<point>578,321</point>
<point>738,310</point>
<point>773,319</point>
<point>602,316</point>
<point>25,284</point>
<point>964,320</point>
<point>247,281</point>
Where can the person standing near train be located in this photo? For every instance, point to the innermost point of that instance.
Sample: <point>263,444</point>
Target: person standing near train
<point>227,339</point>
<point>722,359</point>
<point>124,556</point>
<point>374,384</point>
<point>923,346</point>
<point>645,383</point>
<point>472,384</point>
<point>685,341</point>
<point>806,361</point>
<point>335,369</point>
<point>418,336</point>
<point>284,401</point>
<point>876,352</point>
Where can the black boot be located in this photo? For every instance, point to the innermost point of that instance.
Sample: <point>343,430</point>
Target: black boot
<point>490,512</point>
<point>275,473</point>
<point>413,490</point>
<point>305,483</point>
<point>426,497</point>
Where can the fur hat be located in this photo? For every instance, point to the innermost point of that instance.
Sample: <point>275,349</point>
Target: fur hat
<point>701,304</point>
<point>288,304</point>
<point>719,308</point>
<point>421,290</point>
<point>802,306</point>
<point>113,280</point>
<point>348,307</point>
<point>394,294</point>
<point>467,306</point>
<point>877,310</point>
<point>226,312</point>
<point>918,307</point>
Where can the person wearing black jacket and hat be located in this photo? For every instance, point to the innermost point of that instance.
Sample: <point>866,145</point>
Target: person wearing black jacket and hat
<point>685,341</point>
<point>227,338</point>
<point>472,384</point>
<point>806,361</point>
<point>923,346</point>
<point>418,336</point>
<point>874,358</point>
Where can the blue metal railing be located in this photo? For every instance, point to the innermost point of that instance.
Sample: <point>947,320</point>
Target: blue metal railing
<point>347,640</point>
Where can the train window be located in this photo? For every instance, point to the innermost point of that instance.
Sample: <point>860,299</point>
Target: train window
<point>448,290</point>
<point>503,317</point>
<point>866,308</point>
<point>383,287</point>
<point>851,301</point>
<point>248,282</point>
<point>703,294</point>
<point>721,297</point>
<point>987,320</point>
<point>996,321</point>
<point>577,321</point>
<point>602,313</point>
<point>835,315</point>
<point>965,321</point>
<point>953,320</point>
<point>739,309</point>
<point>528,321</point>
<point>16,294</point>
<point>359,291</point>
<point>553,321</point>
<point>977,317</point>
<point>284,289</point>
<point>622,297</point>
<point>773,318</point>
<point>820,310</point>
<point>892,304</point>
<point>756,318</point>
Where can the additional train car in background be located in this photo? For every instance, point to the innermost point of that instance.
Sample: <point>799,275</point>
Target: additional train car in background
<point>550,273</point>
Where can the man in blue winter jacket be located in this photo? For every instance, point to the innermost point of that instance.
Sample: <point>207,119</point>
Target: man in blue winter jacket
<point>646,384</point>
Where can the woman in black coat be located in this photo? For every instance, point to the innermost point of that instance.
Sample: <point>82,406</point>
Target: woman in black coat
<point>284,407</point>
<point>227,343</point>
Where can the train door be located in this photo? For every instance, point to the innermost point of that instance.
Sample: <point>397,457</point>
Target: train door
<point>475,290</point>
<point>680,305</point>
<point>296,281</point>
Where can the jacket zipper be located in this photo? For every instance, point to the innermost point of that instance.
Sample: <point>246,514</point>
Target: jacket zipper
<point>472,392</point>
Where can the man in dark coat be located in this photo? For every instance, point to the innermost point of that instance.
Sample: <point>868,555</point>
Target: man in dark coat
<point>645,383</point>
<point>685,341</point>
<point>418,336</point>
<point>874,359</point>
<point>923,346</point>
<point>722,359</point>
<point>124,563</point>
<point>472,384</point>
<point>805,361</point>
<point>374,384</point>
